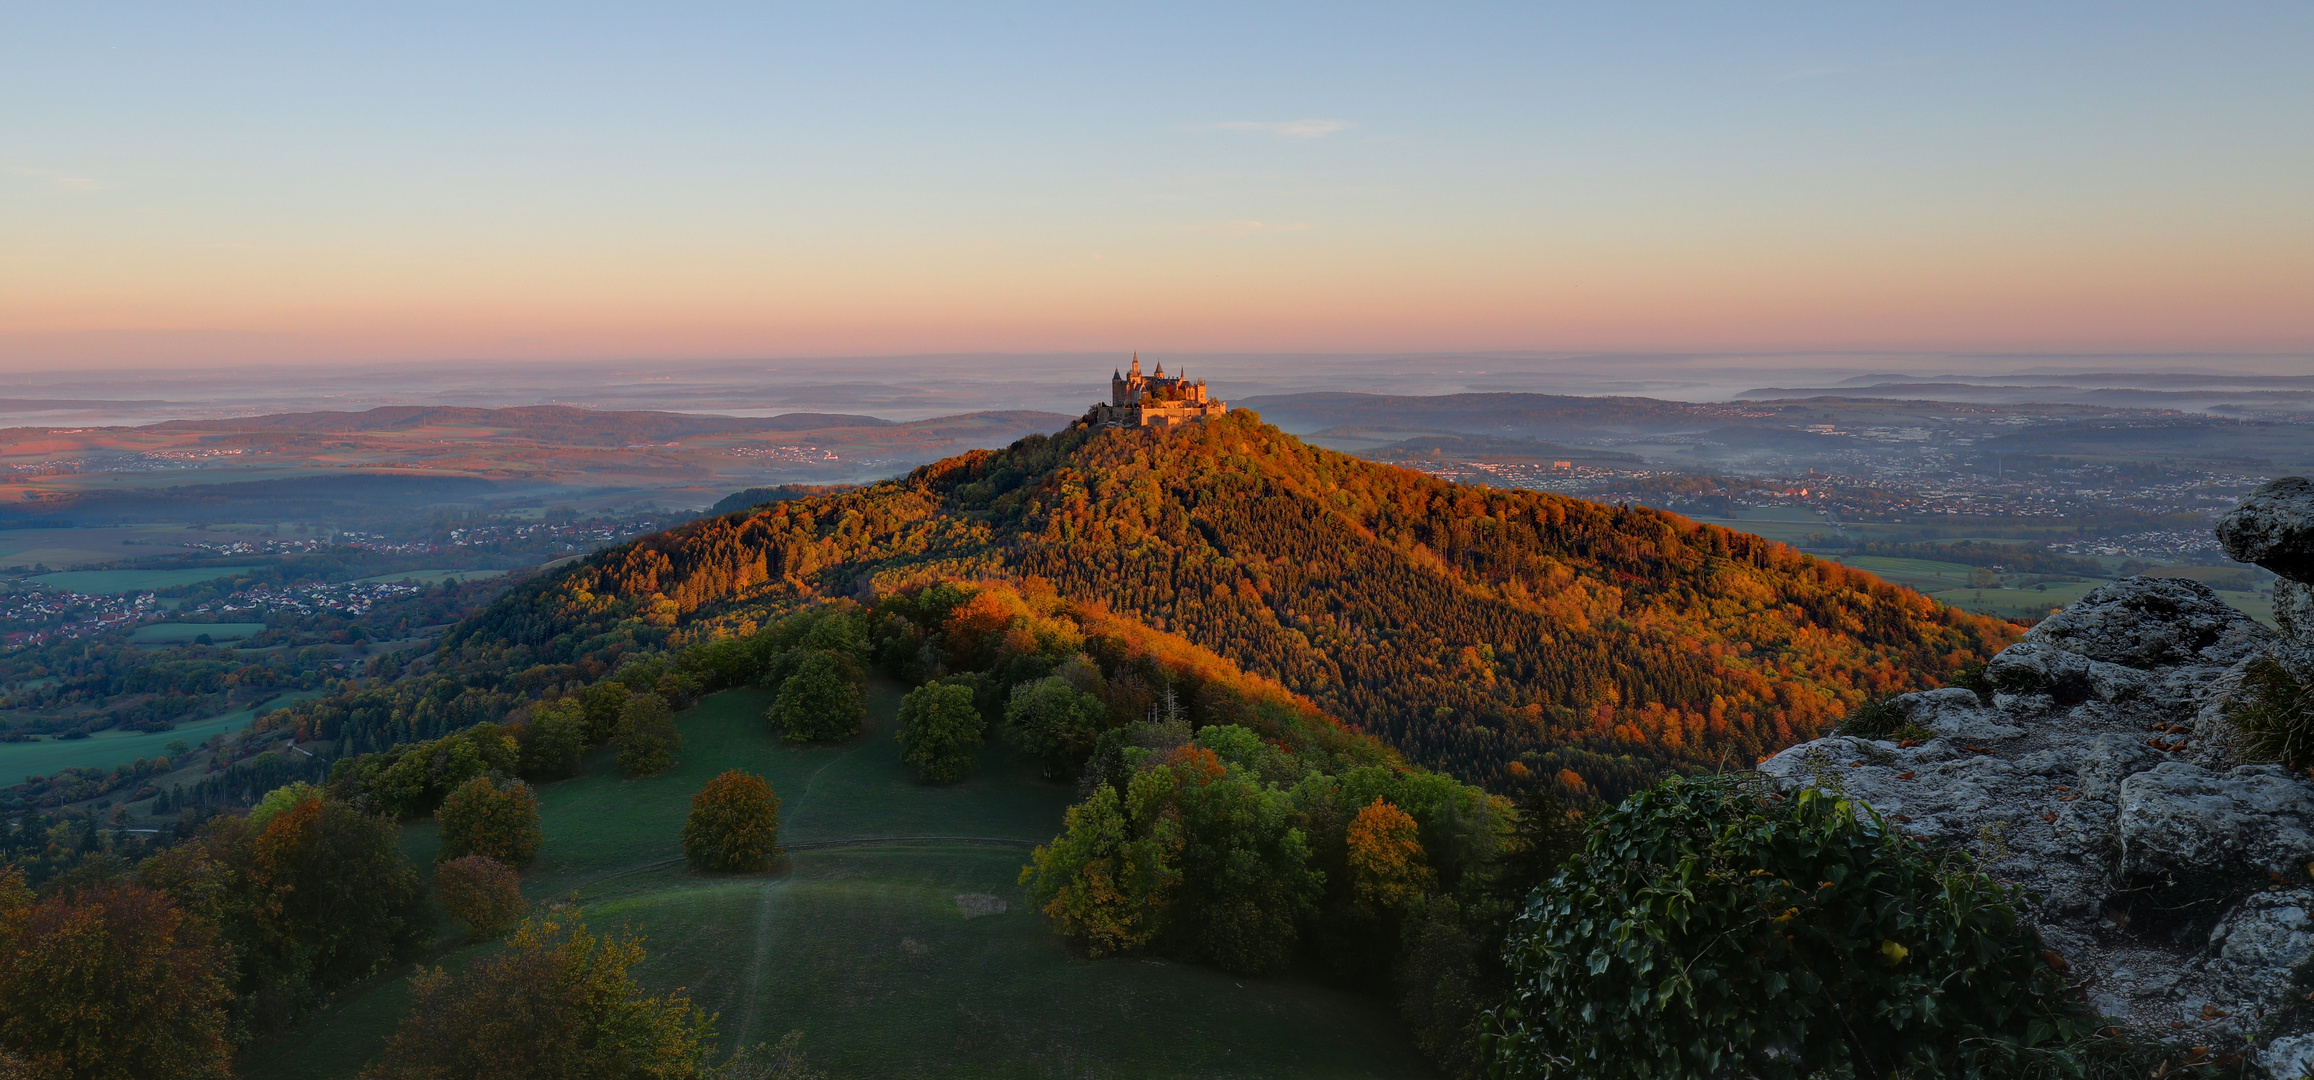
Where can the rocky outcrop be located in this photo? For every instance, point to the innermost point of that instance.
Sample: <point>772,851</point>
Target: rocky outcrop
<point>2175,880</point>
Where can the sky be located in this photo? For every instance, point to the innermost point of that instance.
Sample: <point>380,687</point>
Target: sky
<point>334,184</point>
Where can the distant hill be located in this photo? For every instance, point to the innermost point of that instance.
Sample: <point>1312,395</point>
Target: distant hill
<point>552,423</point>
<point>1491,632</point>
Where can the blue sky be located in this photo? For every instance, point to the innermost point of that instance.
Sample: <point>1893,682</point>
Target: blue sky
<point>487,180</point>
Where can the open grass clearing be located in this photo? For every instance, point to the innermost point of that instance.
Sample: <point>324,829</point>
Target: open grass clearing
<point>108,749</point>
<point>128,581</point>
<point>182,633</point>
<point>862,943</point>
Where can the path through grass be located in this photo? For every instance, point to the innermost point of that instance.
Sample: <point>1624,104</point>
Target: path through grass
<point>859,938</point>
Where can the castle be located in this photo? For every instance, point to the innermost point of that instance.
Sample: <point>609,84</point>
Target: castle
<point>1158,400</point>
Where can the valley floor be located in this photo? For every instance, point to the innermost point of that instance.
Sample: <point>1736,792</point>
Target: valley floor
<point>871,937</point>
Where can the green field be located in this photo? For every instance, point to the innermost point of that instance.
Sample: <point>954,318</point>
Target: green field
<point>106,749</point>
<point>430,576</point>
<point>1787,532</point>
<point>863,945</point>
<point>124,581</point>
<point>180,633</point>
<point>1922,574</point>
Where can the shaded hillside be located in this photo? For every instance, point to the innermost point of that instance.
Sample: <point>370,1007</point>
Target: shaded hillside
<point>1487,631</point>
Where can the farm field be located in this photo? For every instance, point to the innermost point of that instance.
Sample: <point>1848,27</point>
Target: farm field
<point>181,633</point>
<point>63,549</point>
<point>126,581</point>
<point>858,938</point>
<point>429,576</point>
<point>1922,574</point>
<point>106,749</point>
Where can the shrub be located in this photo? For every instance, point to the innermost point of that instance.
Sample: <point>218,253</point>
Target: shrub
<point>1058,724</point>
<point>319,898</point>
<point>785,1061</point>
<point>557,1004</point>
<point>1882,718</point>
<point>481,892</point>
<point>1713,927</point>
<point>939,728</point>
<point>115,981</point>
<point>648,741</point>
<point>555,739</point>
<point>2274,712</point>
<point>486,817</point>
<point>733,826</point>
<point>821,702</point>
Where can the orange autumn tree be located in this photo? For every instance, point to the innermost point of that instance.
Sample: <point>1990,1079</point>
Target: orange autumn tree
<point>1387,867</point>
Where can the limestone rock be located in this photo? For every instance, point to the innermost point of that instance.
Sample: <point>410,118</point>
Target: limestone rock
<point>2146,623</point>
<point>2172,879</point>
<point>2289,1058</point>
<point>2269,935</point>
<point>2182,819</point>
<point>2274,527</point>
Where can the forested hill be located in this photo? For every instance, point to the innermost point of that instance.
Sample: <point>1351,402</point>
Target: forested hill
<point>1492,633</point>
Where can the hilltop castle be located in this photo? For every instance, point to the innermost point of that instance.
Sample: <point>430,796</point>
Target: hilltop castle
<point>1158,400</point>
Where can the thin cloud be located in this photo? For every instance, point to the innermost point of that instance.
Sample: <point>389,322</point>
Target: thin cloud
<point>1248,228</point>
<point>1279,129</point>
<point>76,183</point>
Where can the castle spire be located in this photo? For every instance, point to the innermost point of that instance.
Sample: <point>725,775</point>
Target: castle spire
<point>1135,370</point>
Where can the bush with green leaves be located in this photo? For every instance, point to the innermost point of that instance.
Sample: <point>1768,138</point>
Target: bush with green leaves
<point>1056,723</point>
<point>939,729</point>
<point>1714,927</point>
<point>733,827</point>
<point>647,739</point>
<point>493,818</point>
<point>824,701</point>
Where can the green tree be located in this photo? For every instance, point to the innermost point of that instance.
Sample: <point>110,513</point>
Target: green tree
<point>1108,881</point>
<point>558,1003</point>
<point>1056,723</point>
<point>604,703</point>
<point>733,826</point>
<point>481,892</point>
<point>823,701</point>
<point>648,741</point>
<point>556,738</point>
<point>939,728</point>
<point>113,983</point>
<point>322,896</point>
<point>493,818</point>
<point>1712,926</point>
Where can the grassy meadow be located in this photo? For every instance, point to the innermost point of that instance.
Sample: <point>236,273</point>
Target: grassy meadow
<point>107,749</point>
<point>127,581</point>
<point>186,633</point>
<point>872,936</point>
